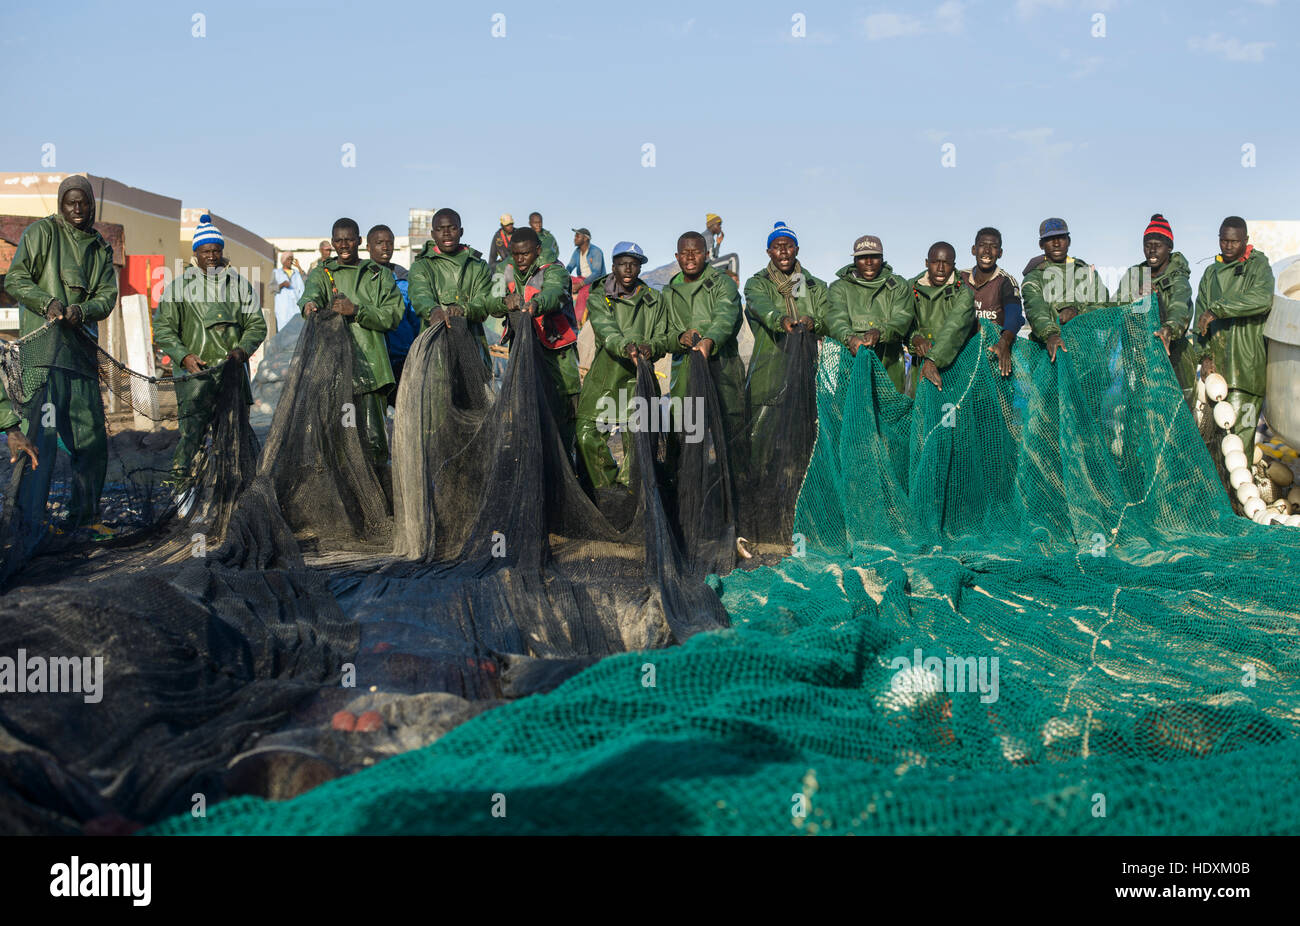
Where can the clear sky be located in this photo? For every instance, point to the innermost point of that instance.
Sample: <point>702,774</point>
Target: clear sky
<point>838,132</point>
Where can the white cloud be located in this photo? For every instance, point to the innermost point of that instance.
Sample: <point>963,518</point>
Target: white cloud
<point>1230,49</point>
<point>948,17</point>
<point>1026,9</point>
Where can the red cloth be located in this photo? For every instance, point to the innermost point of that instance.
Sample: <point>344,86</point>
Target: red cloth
<point>580,294</point>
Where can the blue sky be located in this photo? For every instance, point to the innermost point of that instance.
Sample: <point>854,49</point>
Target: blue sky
<point>838,132</point>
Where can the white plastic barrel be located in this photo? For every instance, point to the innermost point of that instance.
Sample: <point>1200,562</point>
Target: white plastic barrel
<point>1283,332</point>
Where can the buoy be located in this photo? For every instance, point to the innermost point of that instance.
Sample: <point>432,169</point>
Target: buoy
<point>1252,506</point>
<point>1238,478</point>
<point>1247,491</point>
<point>1281,474</point>
<point>1224,416</point>
<point>1234,460</point>
<point>1258,455</point>
<point>1232,443</point>
<point>1216,387</point>
<point>1200,392</point>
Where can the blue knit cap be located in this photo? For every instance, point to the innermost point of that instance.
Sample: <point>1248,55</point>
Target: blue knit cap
<point>207,233</point>
<point>781,230</point>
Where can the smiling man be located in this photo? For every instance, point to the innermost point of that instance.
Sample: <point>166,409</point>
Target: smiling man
<point>209,315</point>
<point>945,316</point>
<point>449,280</point>
<point>1232,305</point>
<point>997,296</point>
<point>63,273</point>
<point>366,295</point>
<point>1058,286</point>
<point>869,305</point>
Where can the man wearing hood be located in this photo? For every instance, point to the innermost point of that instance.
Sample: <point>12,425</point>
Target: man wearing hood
<point>1058,286</point>
<point>869,305</point>
<point>779,298</point>
<point>449,279</point>
<point>629,324</point>
<point>1232,305</point>
<point>62,273</point>
<point>366,295</point>
<point>1165,272</point>
<point>209,315</point>
<point>945,316</point>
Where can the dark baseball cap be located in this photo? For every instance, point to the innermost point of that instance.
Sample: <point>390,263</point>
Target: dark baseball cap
<point>867,245</point>
<point>1052,228</point>
<point>582,231</point>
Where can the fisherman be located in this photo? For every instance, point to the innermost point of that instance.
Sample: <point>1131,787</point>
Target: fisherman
<point>380,244</point>
<point>780,298</point>
<point>945,316</point>
<point>585,264</point>
<point>996,293</point>
<point>1165,272</point>
<point>62,273</point>
<point>499,253</point>
<point>209,314</point>
<point>550,247</point>
<point>713,229</point>
<point>869,305</point>
<point>450,279</point>
<point>366,295</point>
<point>1232,305</point>
<point>1058,287</point>
<point>703,308</point>
<point>325,248</point>
<point>629,324</point>
<point>541,288</point>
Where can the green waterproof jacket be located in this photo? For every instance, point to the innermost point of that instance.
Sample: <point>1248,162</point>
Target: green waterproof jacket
<point>854,306</point>
<point>616,322</point>
<point>208,315</point>
<point>440,279</point>
<point>372,289</point>
<point>550,247</point>
<point>56,260</point>
<point>1049,288</point>
<point>710,305</point>
<point>562,365</point>
<point>945,314</point>
<point>1173,290</point>
<point>1240,296</point>
<point>764,309</point>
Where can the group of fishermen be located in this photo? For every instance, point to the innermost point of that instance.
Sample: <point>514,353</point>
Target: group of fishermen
<point>63,273</point>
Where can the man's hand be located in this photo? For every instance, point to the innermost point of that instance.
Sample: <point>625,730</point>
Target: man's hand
<point>1165,336</point>
<point>54,311</point>
<point>871,338</point>
<point>1054,343</point>
<point>787,324</point>
<point>438,316</point>
<point>284,284</point>
<point>73,315</point>
<point>689,338</point>
<point>931,372</point>
<point>647,352</point>
<point>704,346</point>
<point>1068,313</point>
<point>310,309</point>
<point>192,363</point>
<point>1001,351</point>
<point>807,323</point>
<point>533,308</point>
<point>1207,365</point>
<point>238,354</point>
<point>454,310</point>
<point>632,351</point>
<point>921,346</point>
<point>343,305</point>
<point>513,302</point>
<point>854,343</point>
<point>1207,319</point>
<point>19,444</point>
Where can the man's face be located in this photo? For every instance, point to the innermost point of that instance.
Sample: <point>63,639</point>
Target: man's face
<point>208,256</point>
<point>626,268</point>
<point>346,242</point>
<point>692,257</point>
<point>380,246</point>
<point>783,252</point>
<point>1056,247</point>
<point>510,229</point>
<point>714,227</point>
<point>324,250</point>
<point>869,265</point>
<point>523,254</point>
<point>1232,243</point>
<point>446,233</point>
<point>1157,249</point>
<point>986,251</point>
<point>286,259</point>
<point>76,209</point>
<point>580,240</point>
<point>940,263</point>
<point>535,222</point>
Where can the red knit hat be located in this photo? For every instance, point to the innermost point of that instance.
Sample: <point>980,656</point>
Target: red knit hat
<point>1159,226</point>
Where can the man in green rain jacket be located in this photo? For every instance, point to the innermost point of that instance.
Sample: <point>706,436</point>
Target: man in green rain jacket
<point>779,298</point>
<point>945,316</point>
<point>869,305</point>
<point>550,247</point>
<point>448,279</point>
<point>1232,305</point>
<point>366,295</point>
<point>1058,287</point>
<point>1165,273</point>
<point>629,323</point>
<point>703,308</point>
<point>63,272</point>
<point>541,289</point>
<point>209,315</point>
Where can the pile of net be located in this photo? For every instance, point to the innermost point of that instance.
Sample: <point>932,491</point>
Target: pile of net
<point>1022,606</point>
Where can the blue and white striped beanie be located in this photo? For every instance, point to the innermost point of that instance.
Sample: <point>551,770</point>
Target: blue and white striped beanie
<point>207,233</point>
<point>781,230</point>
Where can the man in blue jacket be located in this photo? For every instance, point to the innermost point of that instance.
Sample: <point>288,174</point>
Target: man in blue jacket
<point>380,242</point>
<point>586,264</point>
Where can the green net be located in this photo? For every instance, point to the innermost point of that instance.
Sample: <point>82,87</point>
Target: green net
<point>1015,606</point>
